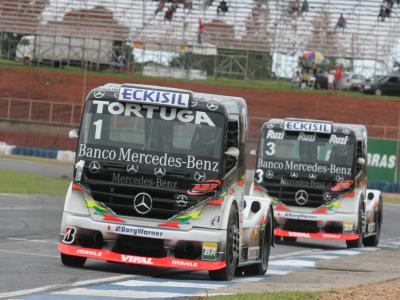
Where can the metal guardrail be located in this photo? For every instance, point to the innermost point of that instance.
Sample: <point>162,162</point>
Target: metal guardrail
<point>39,111</point>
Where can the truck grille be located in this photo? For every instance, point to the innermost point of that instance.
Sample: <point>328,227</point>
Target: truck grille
<point>286,194</point>
<point>120,197</point>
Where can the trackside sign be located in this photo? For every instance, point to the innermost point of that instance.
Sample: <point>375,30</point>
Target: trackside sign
<point>306,126</point>
<point>149,96</point>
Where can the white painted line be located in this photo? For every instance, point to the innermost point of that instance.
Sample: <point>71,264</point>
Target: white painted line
<point>274,272</point>
<point>46,208</point>
<point>213,294</point>
<point>63,286</point>
<point>32,240</point>
<point>321,256</point>
<point>120,294</point>
<point>297,253</point>
<point>28,253</point>
<point>292,263</point>
<point>180,283</point>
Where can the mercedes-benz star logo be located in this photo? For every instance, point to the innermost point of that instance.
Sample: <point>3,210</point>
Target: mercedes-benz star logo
<point>181,200</point>
<point>143,203</point>
<point>99,94</point>
<point>346,131</point>
<point>270,126</point>
<point>269,174</point>
<point>160,172</point>
<point>212,106</point>
<point>194,103</point>
<point>132,169</point>
<point>94,167</point>
<point>339,178</point>
<point>313,176</point>
<point>294,174</point>
<point>327,196</point>
<point>199,177</point>
<point>301,197</point>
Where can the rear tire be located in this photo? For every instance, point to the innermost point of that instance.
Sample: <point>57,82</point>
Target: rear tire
<point>265,244</point>
<point>231,249</point>
<point>358,243</point>
<point>72,261</point>
<point>373,241</point>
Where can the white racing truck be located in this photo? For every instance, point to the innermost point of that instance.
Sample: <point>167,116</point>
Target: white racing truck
<point>159,181</point>
<point>316,172</point>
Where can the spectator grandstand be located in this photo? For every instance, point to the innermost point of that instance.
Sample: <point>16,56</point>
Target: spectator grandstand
<point>240,37</point>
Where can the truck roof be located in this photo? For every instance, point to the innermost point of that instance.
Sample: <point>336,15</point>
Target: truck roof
<point>232,105</point>
<point>359,129</point>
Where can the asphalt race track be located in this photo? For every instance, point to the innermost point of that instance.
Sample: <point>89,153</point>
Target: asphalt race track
<point>31,268</point>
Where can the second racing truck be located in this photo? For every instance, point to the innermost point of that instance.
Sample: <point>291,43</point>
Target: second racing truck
<point>159,181</point>
<point>316,172</point>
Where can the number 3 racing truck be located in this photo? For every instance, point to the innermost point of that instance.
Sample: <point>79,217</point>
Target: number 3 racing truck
<point>316,171</point>
<point>159,181</point>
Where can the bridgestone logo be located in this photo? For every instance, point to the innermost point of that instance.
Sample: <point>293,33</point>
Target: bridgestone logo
<point>184,263</point>
<point>89,252</point>
<point>136,259</point>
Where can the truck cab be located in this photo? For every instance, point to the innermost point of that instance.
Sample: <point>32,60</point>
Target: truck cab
<point>316,172</point>
<point>159,180</point>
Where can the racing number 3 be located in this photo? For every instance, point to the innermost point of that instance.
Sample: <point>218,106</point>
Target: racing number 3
<point>97,133</point>
<point>259,175</point>
<point>270,148</point>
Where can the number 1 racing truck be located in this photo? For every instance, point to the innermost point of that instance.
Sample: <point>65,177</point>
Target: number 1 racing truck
<point>159,181</point>
<point>316,172</point>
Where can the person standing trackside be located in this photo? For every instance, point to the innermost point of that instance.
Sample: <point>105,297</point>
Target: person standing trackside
<point>200,31</point>
<point>338,77</point>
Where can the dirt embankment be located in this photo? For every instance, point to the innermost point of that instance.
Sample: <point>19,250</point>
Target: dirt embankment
<point>39,84</point>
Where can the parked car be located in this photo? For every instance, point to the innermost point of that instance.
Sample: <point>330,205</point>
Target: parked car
<point>369,81</point>
<point>352,81</point>
<point>386,85</point>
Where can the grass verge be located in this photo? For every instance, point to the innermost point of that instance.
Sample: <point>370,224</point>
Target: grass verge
<point>391,198</point>
<point>49,161</point>
<point>284,295</point>
<point>15,182</point>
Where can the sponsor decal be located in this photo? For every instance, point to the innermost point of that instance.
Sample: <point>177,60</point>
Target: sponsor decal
<point>209,251</point>
<point>294,174</point>
<point>299,234</point>
<point>303,183</point>
<point>307,126</point>
<point>301,197</point>
<point>269,174</point>
<point>136,231</point>
<point>184,263</point>
<point>144,181</point>
<point>298,216</point>
<point>158,160</point>
<point>142,203</point>
<point>327,196</point>
<point>99,93</point>
<point>294,166</point>
<point>94,167</point>
<point>199,177</point>
<point>212,106</point>
<point>143,95</point>
<point>334,139</point>
<point>89,252</point>
<point>205,187</point>
<point>160,172</point>
<point>101,209</point>
<point>348,227</point>
<point>312,176</point>
<point>276,135</point>
<point>69,234</point>
<point>319,235</point>
<point>215,221</point>
<point>148,112</point>
<point>181,200</point>
<point>136,259</point>
<point>132,169</point>
<point>304,137</point>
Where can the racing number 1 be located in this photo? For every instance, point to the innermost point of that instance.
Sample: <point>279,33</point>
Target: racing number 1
<point>98,124</point>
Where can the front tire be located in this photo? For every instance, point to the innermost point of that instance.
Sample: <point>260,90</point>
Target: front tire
<point>265,244</point>
<point>358,243</point>
<point>231,249</point>
<point>73,261</point>
<point>373,241</point>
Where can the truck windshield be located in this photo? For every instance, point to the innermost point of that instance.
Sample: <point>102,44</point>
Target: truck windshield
<point>153,129</point>
<point>305,152</point>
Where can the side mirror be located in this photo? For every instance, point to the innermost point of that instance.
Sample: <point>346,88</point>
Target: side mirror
<point>233,151</point>
<point>361,161</point>
<point>253,152</point>
<point>370,196</point>
<point>73,134</point>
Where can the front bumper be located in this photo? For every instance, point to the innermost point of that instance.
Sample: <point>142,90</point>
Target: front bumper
<point>167,262</point>
<point>335,226</point>
<point>117,242</point>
